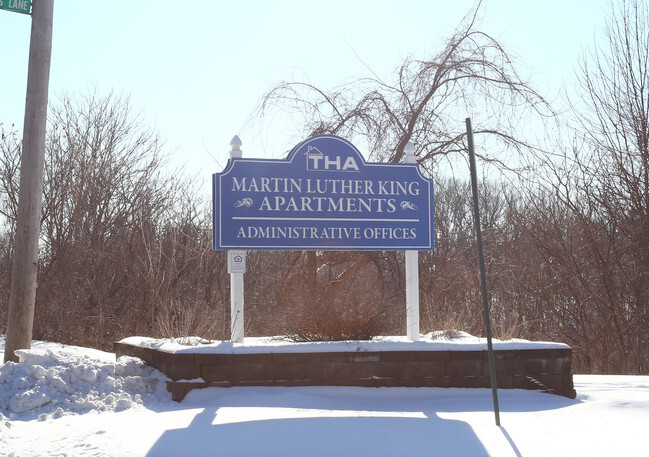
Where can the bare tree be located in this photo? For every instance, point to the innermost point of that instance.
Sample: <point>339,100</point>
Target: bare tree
<point>426,103</point>
<point>10,147</point>
<point>592,227</point>
<point>615,82</point>
<point>126,245</point>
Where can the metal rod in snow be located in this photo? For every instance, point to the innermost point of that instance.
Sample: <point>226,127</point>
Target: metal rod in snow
<point>483,276</point>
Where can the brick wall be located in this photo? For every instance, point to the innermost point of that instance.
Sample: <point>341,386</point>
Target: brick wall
<point>538,369</point>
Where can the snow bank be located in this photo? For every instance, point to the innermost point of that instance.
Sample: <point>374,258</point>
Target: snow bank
<point>57,380</point>
<point>434,341</point>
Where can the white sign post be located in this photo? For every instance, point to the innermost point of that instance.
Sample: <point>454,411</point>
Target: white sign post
<point>236,268</point>
<point>412,272</point>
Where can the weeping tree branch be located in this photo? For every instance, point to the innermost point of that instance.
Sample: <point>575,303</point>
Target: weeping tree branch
<point>426,103</point>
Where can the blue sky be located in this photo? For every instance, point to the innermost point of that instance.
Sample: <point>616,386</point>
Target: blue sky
<point>196,70</point>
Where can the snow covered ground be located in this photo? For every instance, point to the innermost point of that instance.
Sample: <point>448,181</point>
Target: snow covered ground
<point>70,401</point>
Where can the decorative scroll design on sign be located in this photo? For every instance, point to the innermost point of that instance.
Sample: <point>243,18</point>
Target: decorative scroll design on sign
<point>408,205</point>
<point>243,202</point>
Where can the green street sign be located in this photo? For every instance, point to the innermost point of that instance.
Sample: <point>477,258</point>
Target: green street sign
<point>19,6</point>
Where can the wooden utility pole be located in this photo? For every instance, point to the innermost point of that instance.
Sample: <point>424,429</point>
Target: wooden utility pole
<point>25,260</point>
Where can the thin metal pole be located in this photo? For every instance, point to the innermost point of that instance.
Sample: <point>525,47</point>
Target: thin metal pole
<point>20,320</point>
<point>483,276</point>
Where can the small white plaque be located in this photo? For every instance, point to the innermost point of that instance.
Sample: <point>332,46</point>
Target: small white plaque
<point>236,261</point>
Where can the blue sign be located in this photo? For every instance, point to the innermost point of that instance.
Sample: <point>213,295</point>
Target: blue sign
<point>323,197</point>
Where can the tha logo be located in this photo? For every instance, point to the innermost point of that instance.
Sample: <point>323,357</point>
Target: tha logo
<point>317,161</point>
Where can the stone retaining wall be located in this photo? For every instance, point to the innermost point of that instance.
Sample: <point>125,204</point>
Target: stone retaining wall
<point>537,369</point>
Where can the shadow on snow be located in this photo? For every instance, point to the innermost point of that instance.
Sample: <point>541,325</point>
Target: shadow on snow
<point>274,421</point>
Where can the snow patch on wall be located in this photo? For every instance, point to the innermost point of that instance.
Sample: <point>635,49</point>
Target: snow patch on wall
<point>434,341</point>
